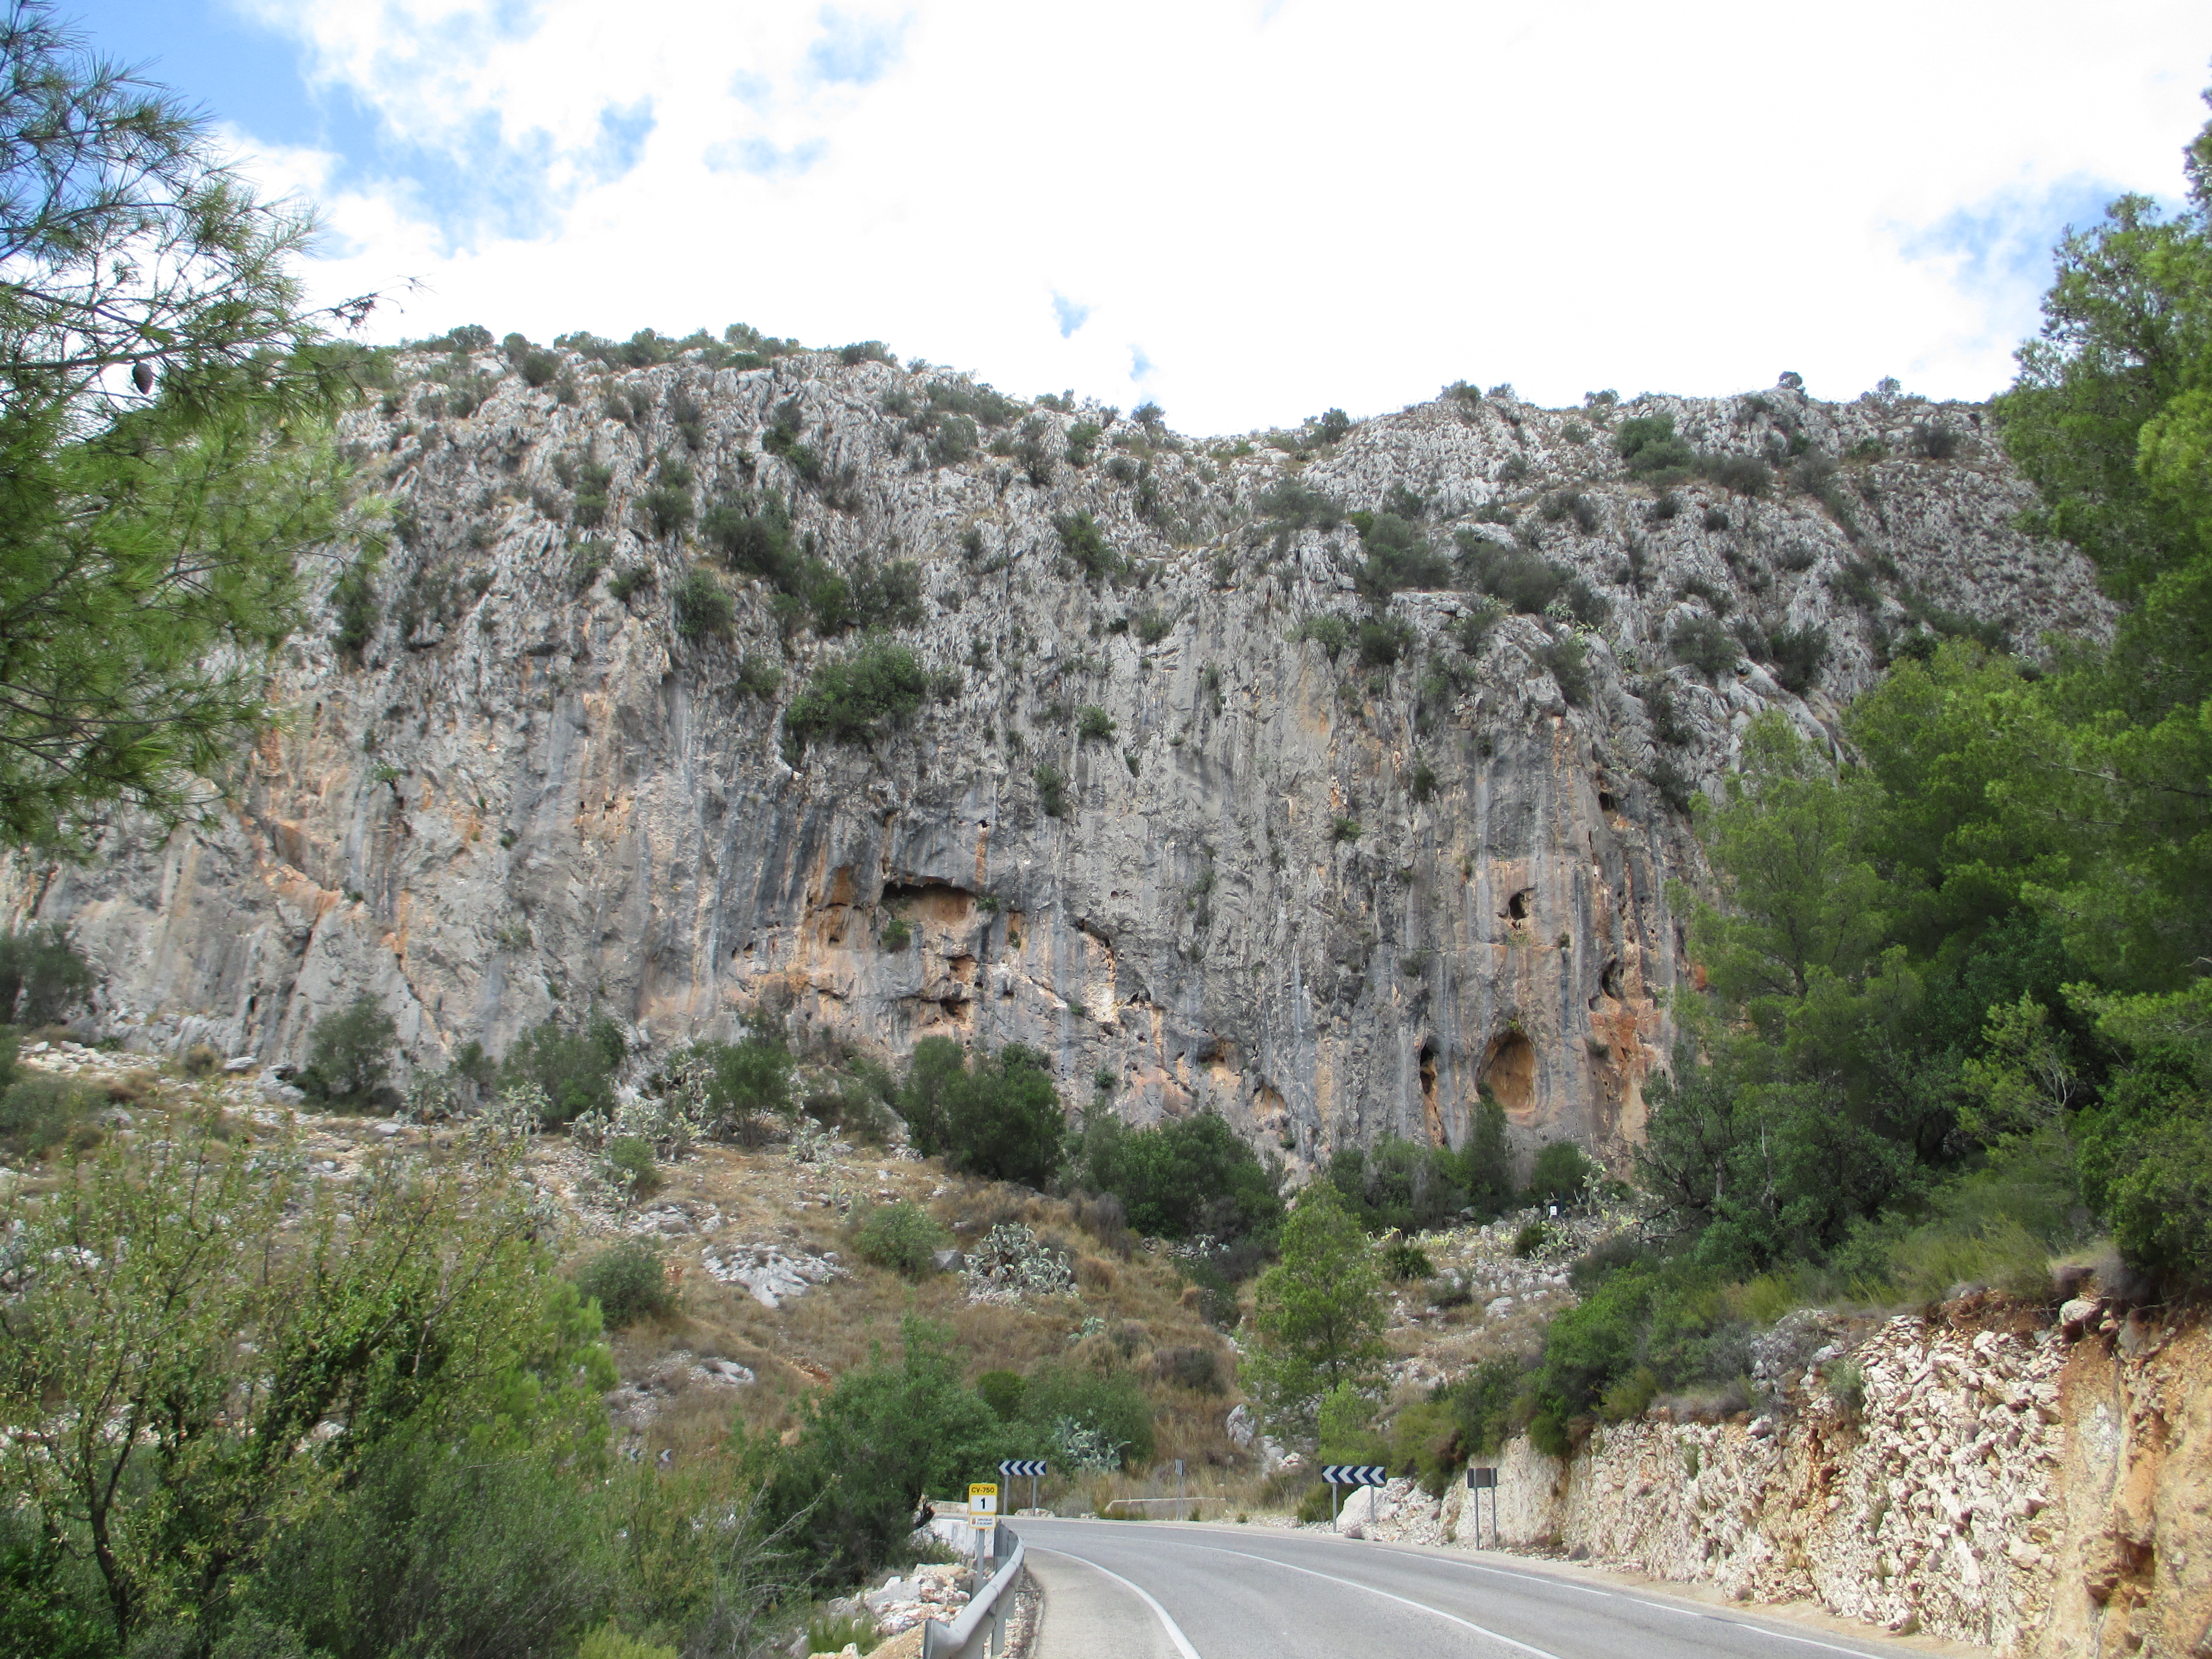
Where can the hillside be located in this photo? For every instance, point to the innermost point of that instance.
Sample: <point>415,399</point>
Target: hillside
<point>1313,778</point>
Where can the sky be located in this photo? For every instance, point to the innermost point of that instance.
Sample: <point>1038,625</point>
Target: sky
<point>1246,211</point>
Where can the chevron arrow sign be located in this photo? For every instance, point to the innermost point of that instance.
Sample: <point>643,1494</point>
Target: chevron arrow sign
<point>1356,1474</point>
<point>1032,1468</point>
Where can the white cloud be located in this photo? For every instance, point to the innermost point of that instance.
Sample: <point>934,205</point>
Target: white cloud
<point>1272,208</point>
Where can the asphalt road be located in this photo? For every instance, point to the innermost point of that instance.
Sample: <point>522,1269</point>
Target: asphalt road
<point>1162,1590</point>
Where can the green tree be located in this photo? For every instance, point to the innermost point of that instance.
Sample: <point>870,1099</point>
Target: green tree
<point>999,1117</point>
<point>884,1438</point>
<point>576,1068</point>
<point>41,974</point>
<point>1318,1310</point>
<point>749,1085</point>
<point>1182,1178</point>
<point>199,1316</point>
<point>165,458</point>
<point>349,1055</point>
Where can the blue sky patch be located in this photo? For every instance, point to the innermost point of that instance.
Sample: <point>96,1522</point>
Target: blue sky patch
<point>854,51</point>
<point>1072,316</point>
<point>764,159</point>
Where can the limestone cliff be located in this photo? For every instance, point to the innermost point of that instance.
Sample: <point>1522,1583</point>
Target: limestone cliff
<point>1328,901</point>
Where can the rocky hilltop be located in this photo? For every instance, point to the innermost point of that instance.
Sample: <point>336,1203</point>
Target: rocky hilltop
<point>1192,800</point>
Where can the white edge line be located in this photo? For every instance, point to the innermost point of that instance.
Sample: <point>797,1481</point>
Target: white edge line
<point>1175,1630</point>
<point>1653,1602</point>
<point>1354,1584</point>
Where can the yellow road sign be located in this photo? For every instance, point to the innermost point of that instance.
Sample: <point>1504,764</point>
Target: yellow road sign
<point>983,1506</point>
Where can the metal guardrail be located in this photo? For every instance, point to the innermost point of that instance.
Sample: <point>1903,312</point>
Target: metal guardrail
<point>942,1641</point>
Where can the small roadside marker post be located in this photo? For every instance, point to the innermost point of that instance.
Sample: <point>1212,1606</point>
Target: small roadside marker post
<point>983,1517</point>
<point>1181,1512</point>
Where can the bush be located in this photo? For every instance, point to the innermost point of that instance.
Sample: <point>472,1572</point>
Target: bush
<point>1327,629</point>
<point>1398,556</point>
<point>702,608</point>
<point>42,975</point>
<point>1524,580</point>
<point>755,538</point>
<point>1151,624</point>
<point>627,1166</point>
<point>667,507</point>
<point>1531,1239</point>
<point>629,580</point>
<point>1003,1391</point>
<point>201,1060</point>
<point>1051,790</point>
<point>1797,654</point>
<point>1705,644</point>
<point>902,1236</point>
<point>898,934</point>
<point>349,1055</point>
<point>1093,723</point>
<point>1086,545</point>
<point>629,1281</point>
<point>1743,475</point>
<point>1182,1178</point>
<point>575,1069</point>
<point>748,1084</point>
<point>1090,1418</point>
<point>1561,1174</point>
<point>1567,660</point>
<point>1411,1187</point>
<point>39,1111</point>
<point>1343,829</point>
<point>999,1118</point>
<point>1404,1262</point>
<point>860,699</point>
<point>886,1436</point>
<point>1647,444</point>
<point>1383,640</point>
<point>1934,441</point>
<point>354,608</point>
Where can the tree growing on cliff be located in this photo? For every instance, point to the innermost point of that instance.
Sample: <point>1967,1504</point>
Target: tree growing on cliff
<point>165,459</point>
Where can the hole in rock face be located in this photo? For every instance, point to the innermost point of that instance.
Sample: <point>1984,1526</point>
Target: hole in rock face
<point>1605,800</point>
<point>1509,1072</point>
<point>1609,981</point>
<point>1431,1116</point>
<point>1518,906</point>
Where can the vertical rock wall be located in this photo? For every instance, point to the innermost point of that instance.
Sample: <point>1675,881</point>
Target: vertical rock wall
<point>1328,898</point>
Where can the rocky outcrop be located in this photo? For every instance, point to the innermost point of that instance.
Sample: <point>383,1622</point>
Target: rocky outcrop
<point>1329,901</point>
<point>2039,1490</point>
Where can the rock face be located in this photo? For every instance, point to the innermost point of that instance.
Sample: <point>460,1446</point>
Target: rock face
<point>2037,1490</point>
<point>1326,899</point>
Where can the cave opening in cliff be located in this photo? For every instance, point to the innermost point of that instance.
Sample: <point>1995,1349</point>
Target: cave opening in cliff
<point>1509,1070</point>
<point>1518,906</point>
<point>1432,1114</point>
<point>1609,981</point>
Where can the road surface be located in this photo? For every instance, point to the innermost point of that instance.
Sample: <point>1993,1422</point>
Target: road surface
<point>1166,1590</point>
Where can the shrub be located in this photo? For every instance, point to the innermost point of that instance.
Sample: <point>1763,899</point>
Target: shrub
<point>1524,580</point>
<point>1083,441</point>
<point>1647,444</point>
<point>628,1167</point>
<point>999,1118</point>
<point>1196,1366</point>
<point>757,676</point>
<point>1292,504</point>
<point>1086,545</point>
<point>1561,1174</point>
<point>1715,517</point>
<point>1113,1419</point>
<point>1326,629</point>
<point>1421,782</point>
<point>1403,1262</point>
<point>353,608</point>
<point>1151,624</point>
<point>702,609</point>
<point>667,507</point>
<point>897,935</point>
<point>575,1069</point>
<point>1398,556</point>
<point>1093,723</point>
<point>859,699</point>
<point>1531,1239</point>
<point>902,1236</point>
<point>1932,440</point>
<point>42,975</point>
<point>1051,790</point>
<point>1743,475</point>
<point>1567,660</point>
<point>747,1084</point>
<point>1704,644</point>
<point>754,536</point>
<point>1586,605</point>
<point>1797,655</point>
<point>629,1281</point>
<point>1003,1391</point>
<point>1182,1178</point>
<point>38,1111</point>
<point>201,1060</point>
<point>1343,829</point>
<point>1383,640</point>
<point>629,580</point>
<point>349,1055</point>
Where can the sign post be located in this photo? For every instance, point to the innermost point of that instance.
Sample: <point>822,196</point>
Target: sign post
<point>1032,1468</point>
<point>1480,1481</point>
<point>1351,1474</point>
<point>983,1517</point>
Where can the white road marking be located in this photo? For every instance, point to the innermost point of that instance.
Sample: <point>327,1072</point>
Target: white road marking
<point>1175,1630</point>
<point>1354,1584</point>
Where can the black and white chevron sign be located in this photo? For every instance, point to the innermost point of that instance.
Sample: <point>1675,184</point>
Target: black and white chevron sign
<point>1356,1474</point>
<point>1033,1468</point>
